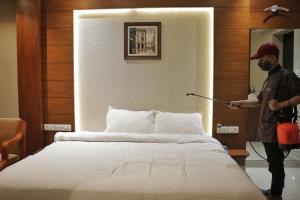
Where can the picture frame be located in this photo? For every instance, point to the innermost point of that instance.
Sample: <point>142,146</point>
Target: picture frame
<point>142,40</point>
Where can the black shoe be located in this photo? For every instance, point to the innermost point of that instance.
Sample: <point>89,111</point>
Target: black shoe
<point>269,196</point>
<point>276,197</point>
<point>266,192</point>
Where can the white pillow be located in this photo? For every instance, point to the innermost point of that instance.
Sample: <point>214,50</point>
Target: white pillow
<point>118,120</point>
<point>188,123</point>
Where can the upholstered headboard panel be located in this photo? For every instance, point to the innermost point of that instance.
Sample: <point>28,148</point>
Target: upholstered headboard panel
<point>103,78</point>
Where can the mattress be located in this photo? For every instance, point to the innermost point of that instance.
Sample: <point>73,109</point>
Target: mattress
<point>115,166</point>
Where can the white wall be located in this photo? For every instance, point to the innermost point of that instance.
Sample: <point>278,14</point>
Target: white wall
<point>8,60</point>
<point>297,63</point>
<point>257,76</point>
<point>297,51</point>
<point>105,78</point>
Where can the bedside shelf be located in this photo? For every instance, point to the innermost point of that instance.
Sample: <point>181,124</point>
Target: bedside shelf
<point>238,152</point>
<point>239,155</point>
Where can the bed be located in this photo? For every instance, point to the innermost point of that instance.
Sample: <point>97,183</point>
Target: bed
<point>128,166</point>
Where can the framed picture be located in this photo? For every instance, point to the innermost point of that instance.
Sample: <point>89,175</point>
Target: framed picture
<point>142,40</point>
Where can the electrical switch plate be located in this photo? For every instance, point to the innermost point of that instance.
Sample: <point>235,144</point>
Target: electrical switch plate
<point>227,129</point>
<point>219,130</point>
<point>57,127</point>
<point>232,129</point>
<point>222,129</point>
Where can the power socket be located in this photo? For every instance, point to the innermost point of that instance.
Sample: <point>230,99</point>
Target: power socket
<point>57,127</point>
<point>221,129</point>
<point>233,129</point>
<point>227,129</point>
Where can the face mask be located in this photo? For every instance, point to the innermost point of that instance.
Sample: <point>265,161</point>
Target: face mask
<point>265,66</point>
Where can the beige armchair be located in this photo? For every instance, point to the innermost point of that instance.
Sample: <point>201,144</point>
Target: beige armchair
<point>12,141</point>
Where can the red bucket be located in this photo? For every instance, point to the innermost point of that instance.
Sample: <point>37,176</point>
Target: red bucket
<point>288,135</point>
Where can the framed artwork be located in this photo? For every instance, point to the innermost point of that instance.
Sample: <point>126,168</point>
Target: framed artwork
<point>142,40</point>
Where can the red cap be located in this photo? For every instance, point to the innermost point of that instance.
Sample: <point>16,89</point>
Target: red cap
<point>266,49</point>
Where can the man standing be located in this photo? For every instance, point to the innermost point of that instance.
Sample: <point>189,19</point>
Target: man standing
<point>280,93</point>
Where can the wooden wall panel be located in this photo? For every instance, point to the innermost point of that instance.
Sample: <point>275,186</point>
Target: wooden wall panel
<point>96,4</point>
<point>58,68</point>
<point>29,55</point>
<point>231,54</point>
<point>58,89</point>
<point>57,19</point>
<point>232,17</point>
<point>289,20</point>
<point>59,106</point>
<point>231,35</point>
<point>58,72</point>
<point>231,43</point>
<point>59,54</point>
<point>60,118</point>
<point>234,70</point>
<point>236,53</point>
<point>229,90</point>
<point>59,37</point>
<point>260,5</point>
<point>228,117</point>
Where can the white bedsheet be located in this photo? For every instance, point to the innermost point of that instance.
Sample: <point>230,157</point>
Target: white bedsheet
<point>124,166</point>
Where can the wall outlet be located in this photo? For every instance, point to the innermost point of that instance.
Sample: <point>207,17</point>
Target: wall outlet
<point>57,127</point>
<point>221,129</point>
<point>227,129</point>
<point>232,129</point>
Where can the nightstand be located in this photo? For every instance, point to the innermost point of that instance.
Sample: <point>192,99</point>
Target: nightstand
<point>239,155</point>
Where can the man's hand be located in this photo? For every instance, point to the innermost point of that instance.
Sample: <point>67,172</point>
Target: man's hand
<point>274,105</point>
<point>234,105</point>
<point>243,104</point>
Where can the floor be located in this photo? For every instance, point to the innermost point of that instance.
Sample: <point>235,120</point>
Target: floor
<point>257,169</point>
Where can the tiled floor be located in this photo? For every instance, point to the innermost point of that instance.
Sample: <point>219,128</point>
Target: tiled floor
<point>253,160</point>
<point>256,168</point>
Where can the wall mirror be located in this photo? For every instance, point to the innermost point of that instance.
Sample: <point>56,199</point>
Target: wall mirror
<point>288,41</point>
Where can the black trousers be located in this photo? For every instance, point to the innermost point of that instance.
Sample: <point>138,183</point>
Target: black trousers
<point>275,157</point>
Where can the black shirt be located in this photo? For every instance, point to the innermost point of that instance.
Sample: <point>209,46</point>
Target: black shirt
<point>281,85</point>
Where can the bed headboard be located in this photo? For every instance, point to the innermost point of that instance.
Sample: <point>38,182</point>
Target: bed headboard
<point>103,78</point>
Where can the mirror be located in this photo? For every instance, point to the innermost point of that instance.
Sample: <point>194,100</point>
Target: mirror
<point>288,41</point>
